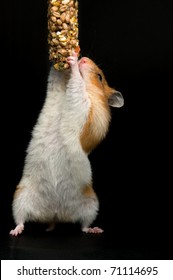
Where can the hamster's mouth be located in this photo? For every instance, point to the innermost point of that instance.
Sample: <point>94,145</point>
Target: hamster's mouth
<point>79,65</point>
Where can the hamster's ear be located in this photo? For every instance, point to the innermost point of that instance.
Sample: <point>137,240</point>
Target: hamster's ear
<point>116,99</point>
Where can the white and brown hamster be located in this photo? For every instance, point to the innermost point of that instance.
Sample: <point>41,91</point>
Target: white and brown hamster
<point>56,185</point>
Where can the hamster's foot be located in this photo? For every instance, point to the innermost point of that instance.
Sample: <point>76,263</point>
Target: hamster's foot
<point>18,230</point>
<point>93,230</point>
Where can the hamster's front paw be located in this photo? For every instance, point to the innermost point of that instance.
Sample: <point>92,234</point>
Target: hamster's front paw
<point>72,59</point>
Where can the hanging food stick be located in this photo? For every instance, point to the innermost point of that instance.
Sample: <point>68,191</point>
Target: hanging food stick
<point>62,31</point>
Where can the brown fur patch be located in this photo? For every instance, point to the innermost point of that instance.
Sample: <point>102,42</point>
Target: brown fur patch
<point>96,125</point>
<point>17,191</point>
<point>88,140</point>
<point>98,91</point>
<point>88,191</point>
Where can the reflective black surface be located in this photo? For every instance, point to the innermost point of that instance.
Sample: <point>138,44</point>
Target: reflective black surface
<point>67,242</point>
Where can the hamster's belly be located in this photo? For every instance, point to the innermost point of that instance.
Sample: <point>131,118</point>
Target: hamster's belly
<point>56,184</point>
<point>64,196</point>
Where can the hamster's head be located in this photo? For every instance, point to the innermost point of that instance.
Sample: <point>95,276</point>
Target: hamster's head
<point>96,83</point>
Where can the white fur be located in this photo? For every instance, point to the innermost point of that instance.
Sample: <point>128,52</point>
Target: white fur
<point>56,167</point>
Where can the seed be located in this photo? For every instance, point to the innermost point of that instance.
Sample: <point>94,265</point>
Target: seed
<point>56,14</point>
<point>52,43</point>
<point>67,18</point>
<point>63,8</point>
<point>62,17</point>
<point>63,32</point>
<point>53,28</point>
<point>59,22</point>
<point>66,65</point>
<point>63,44</point>
<point>54,9</point>
<point>53,19</point>
<point>73,42</point>
<point>64,52</point>
<point>65,1</point>
<point>62,38</point>
<point>75,33</point>
<point>55,41</point>
<point>52,55</point>
<point>73,20</point>
<point>55,3</point>
<point>72,9</point>
<point>56,66</point>
<point>71,3</point>
<point>54,34</point>
<point>65,26</point>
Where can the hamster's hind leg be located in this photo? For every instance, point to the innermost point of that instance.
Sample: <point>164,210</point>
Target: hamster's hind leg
<point>19,211</point>
<point>89,210</point>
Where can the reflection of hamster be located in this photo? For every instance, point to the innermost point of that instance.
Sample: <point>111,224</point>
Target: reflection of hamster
<point>57,180</point>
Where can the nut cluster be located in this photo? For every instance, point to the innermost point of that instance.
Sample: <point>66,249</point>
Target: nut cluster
<point>63,31</point>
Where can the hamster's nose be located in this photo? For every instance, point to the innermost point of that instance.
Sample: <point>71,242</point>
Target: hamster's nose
<point>83,60</point>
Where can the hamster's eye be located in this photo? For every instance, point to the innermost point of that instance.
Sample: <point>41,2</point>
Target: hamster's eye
<point>100,77</point>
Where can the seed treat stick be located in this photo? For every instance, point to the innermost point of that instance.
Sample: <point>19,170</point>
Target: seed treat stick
<point>62,31</point>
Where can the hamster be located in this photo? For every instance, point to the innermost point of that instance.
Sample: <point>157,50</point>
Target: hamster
<point>56,184</point>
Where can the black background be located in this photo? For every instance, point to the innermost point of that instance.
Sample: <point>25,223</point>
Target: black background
<point>132,41</point>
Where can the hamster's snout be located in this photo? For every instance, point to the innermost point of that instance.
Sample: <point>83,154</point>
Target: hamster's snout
<point>82,61</point>
<point>83,65</point>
